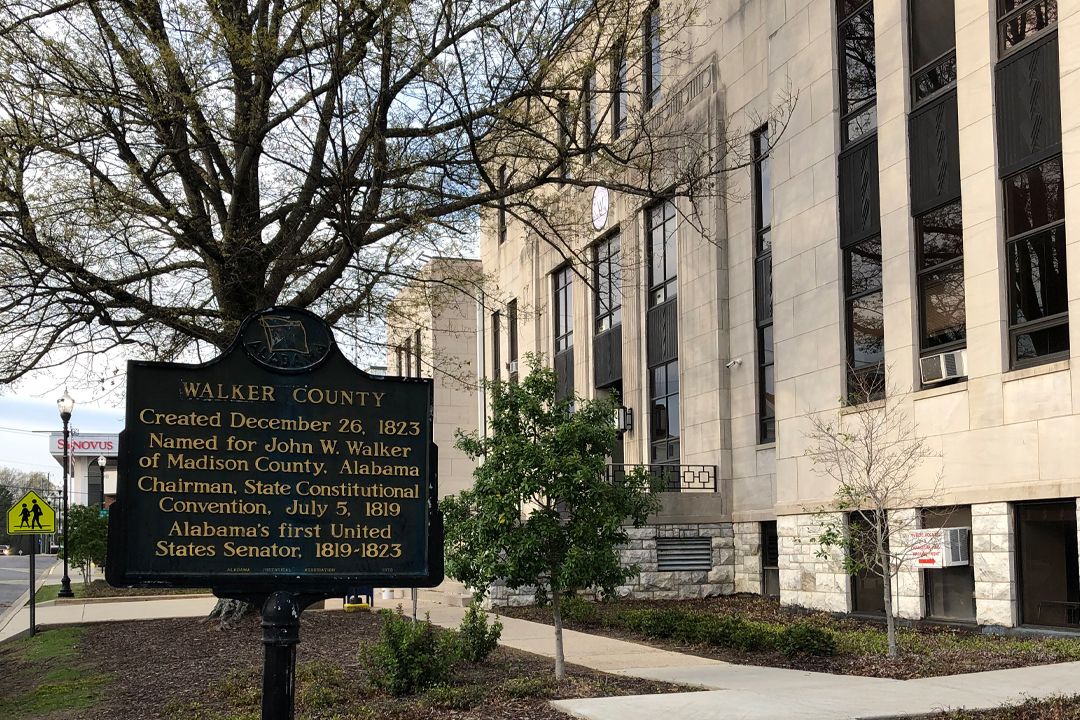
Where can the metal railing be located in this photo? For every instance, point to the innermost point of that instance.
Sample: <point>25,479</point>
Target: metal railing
<point>675,478</point>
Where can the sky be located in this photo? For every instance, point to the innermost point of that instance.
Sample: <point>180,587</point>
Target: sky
<point>26,421</point>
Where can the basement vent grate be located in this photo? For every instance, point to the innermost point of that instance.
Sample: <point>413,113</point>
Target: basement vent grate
<point>692,553</point>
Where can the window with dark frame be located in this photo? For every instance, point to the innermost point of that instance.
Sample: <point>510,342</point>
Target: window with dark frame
<point>591,118</point>
<point>1035,255</point>
<point>398,352</point>
<point>562,118</point>
<point>763,294</point>
<point>664,414</point>
<point>496,345</point>
<point>1021,20</point>
<point>933,48</point>
<point>939,240</point>
<point>858,70</point>
<point>619,92</point>
<point>502,205</point>
<point>417,354</point>
<point>651,57</point>
<point>407,350</point>
<point>865,321</point>
<point>563,309</point>
<point>663,253</point>
<point>512,338</point>
<point>770,560</point>
<point>607,278</point>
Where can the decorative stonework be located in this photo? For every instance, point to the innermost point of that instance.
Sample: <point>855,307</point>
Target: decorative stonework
<point>806,579</point>
<point>747,557</point>
<point>993,554</point>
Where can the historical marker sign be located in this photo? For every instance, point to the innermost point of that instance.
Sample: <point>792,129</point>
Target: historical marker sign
<point>277,466</point>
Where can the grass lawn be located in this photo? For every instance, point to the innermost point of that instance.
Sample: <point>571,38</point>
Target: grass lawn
<point>45,674</point>
<point>756,631</point>
<point>184,669</point>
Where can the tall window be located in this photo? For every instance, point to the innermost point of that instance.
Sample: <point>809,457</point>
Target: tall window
<point>933,47</point>
<point>619,93</point>
<point>662,250</point>
<point>939,237</point>
<point>1021,20</point>
<point>502,205</point>
<point>512,338</point>
<point>496,343</point>
<point>564,310</point>
<point>416,353</point>
<point>398,365</point>
<point>663,254</point>
<point>763,296</point>
<point>860,222</point>
<point>1035,253</point>
<point>651,56</point>
<point>591,117</point>
<point>563,119</point>
<point>407,350</point>
<point>664,413</point>
<point>865,321</point>
<point>607,277</point>
<point>858,69</point>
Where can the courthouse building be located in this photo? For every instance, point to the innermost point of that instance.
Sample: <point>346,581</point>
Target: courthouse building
<point>911,220</point>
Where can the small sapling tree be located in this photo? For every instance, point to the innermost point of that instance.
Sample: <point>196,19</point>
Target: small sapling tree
<point>542,511</point>
<point>88,535</point>
<point>872,450</point>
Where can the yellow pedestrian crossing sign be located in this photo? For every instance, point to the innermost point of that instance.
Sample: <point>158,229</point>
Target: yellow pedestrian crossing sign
<point>31,516</point>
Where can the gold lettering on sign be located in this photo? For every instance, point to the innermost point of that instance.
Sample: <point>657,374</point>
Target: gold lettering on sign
<point>221,391</point>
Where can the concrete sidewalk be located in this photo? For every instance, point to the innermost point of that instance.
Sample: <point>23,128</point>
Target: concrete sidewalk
<point>731,692</point>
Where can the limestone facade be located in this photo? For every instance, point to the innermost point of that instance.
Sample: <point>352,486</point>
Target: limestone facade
<point>1004,434</point>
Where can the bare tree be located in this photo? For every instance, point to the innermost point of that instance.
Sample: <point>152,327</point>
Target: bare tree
<point>872,450</point>
<point>168,167</point>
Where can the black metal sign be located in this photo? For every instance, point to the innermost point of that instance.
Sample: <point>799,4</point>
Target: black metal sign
<point>277,466</point>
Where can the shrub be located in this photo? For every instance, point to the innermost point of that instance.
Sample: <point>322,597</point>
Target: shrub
<point>578,610</point>
<point>804,639</point>
<point>410,656</point>
<point>476,639</point>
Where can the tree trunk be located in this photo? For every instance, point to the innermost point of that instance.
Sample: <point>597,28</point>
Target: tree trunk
<point>556,614</point>
<point>229,611</point>
<point>890,619</point>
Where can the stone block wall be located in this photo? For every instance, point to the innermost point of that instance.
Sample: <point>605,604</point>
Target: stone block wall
<point>806,579</point>
<point>651,584</point>
<point>747,557</point>
<point>993,553</point>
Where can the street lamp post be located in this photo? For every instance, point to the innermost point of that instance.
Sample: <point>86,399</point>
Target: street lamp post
<point>65,404</point>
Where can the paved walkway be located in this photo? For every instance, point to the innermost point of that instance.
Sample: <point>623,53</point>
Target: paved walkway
<point>729,692</point>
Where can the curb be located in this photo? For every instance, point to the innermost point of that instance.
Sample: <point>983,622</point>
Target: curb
<point>131,598</point>
<point>8,615</point>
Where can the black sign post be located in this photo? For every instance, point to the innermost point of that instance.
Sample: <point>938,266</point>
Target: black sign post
<point>279,474</point>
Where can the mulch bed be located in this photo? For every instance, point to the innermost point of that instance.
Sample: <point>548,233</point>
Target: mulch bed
<point>926,650</point>
<point>163,668</point>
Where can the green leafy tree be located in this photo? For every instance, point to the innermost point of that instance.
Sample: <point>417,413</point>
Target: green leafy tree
<point>88,536</point>
<point>542,511</point>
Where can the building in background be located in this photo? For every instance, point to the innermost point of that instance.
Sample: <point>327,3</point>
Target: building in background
<point>909,227</point>
<point>92,471</point>
<point>431,333</point>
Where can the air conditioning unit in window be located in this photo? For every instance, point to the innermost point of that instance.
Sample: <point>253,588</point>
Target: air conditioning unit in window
<point>941,547</point>
<point>943,366</point>
<point>511,366</point>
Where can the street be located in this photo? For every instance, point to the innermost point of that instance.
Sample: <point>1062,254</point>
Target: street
<point>15,576</point>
